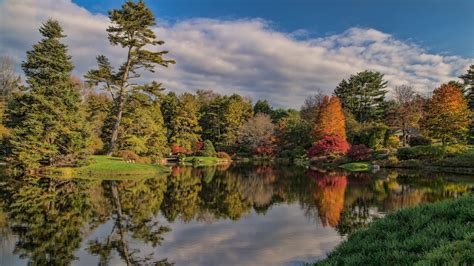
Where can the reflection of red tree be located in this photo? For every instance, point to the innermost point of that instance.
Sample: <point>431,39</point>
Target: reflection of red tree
<point>176,170</point>
<point>265,172</point>
<point>329,196</point>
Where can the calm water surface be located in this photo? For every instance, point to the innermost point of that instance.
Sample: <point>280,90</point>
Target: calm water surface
<point>237,215</point>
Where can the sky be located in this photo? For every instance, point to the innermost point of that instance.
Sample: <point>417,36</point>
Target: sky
<point>278,50</point>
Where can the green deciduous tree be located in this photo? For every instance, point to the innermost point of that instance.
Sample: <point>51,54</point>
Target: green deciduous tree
<point>46,118</point>
<point>363,95</point>
<point>131,29</point>
<point>184,125</point>
<point>468,80</point>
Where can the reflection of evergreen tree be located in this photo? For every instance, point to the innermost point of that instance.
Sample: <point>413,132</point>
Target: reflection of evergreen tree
<point>182,194</point>
<point>134,205</point>
<point>47,215</point>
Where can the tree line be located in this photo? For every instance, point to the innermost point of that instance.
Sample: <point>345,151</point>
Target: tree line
<point>57,119</point>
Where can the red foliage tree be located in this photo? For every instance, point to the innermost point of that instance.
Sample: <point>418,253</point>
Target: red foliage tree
<point>329,145</point>
<point>176,149</point>
<point>262,150</point>
<point>359,153</point>
<point>331,120</point>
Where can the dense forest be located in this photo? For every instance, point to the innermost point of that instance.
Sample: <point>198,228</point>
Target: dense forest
<point>55,119</point>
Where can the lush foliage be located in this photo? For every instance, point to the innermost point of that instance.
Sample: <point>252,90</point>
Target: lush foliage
<point>46,119</point>
<point>331,120</point>
<point>439,233</point>
<point>329,145</point>
<point>419,140</point>
<point>363,95</point>
<point>359,152</point>
<point>447,115</point>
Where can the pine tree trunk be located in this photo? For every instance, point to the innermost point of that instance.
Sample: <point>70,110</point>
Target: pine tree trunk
<point>115,129</point>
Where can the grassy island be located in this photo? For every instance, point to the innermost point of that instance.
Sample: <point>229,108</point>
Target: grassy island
<point>434,234</point>
<point>107,166</point>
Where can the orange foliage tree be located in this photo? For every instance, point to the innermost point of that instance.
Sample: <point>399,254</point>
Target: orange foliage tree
<point>331,120</point>
<point>447,114</point>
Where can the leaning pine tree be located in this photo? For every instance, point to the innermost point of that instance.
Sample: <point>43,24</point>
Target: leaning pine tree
<point>46,118</point>
<point>131,29</point>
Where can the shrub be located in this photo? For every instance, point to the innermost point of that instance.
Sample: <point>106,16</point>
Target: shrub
<point>176,149</point>
<point>224,155</point>
<point>420,152</point>
<point>263,150</point>
<point>208,149</point>
<point>359,153</point>
<point>393,142</point>
<point>419,141</point>
<point>127,155</point>
<point>456,149</point>
<point>333,145</point>
<point>373,136</point>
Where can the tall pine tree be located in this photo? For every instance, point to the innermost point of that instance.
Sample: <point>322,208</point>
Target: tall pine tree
<point>468,79</point>
<point>47,119</point>
<point>363,95</point>
<point>131,29</point>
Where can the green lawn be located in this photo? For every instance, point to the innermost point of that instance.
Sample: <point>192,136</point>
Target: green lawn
<point>203,161</point>
<point>432,234</point>
<point>356,166</point>
<point>107,167</point>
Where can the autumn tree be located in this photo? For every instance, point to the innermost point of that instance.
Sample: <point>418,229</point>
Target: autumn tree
<point>447,115</point>
<point>47,118</point>
<point>131,29</point>
<point>407,111</point>
<point>331,120</point>
<point>184,125</point>
<point>257,133</point>
<point>363,95</point>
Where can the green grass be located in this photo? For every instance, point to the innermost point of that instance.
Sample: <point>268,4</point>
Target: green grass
<point>106,167</point>
<point>203,161</point>
<point>462,160</point>
<point>356,166</point>
<point>432,234</point>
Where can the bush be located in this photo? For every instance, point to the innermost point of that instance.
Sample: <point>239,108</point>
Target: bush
<point>263,151</point>
<point>176,149</point>
<point>373,136</point>
<point>393,142</point>
<point>420,152</point>
<point>455,150</point>
<point>127,155</point>
<point>333,145</point>
<point>224,155</point>
<point>419,141</point>
<point>208,149</point>
<point>359,152</point>
<point>296,153</point>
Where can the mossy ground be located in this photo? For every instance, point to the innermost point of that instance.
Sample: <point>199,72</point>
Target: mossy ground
<point>356,166</point>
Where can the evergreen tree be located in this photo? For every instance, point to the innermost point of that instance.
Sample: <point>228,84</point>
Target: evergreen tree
<point>468,79</point>
<point>47,119</point>
<point>184,125</point>
<point>131,29</point>
<point>208,149</point>
<point>363,95</point>
<point>9,82</point>
<point>169,109</point>
<point>262,106</point>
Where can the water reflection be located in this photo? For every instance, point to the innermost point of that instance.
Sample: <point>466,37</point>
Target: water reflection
<point>240,209</point>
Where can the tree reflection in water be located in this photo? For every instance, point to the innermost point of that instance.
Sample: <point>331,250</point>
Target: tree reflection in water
<point>52,219</point>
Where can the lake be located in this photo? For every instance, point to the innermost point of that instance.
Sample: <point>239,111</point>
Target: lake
<point>227,215</point>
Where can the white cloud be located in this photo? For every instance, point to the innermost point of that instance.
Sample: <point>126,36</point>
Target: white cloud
<point>244,56</point>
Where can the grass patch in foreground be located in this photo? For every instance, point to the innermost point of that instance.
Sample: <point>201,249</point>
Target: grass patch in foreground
<point>107,166</point>
<point>433,234</point>
<point>356,166</point>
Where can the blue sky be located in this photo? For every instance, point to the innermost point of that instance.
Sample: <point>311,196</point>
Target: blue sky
<point>441,26</point>
<point>278,50</point>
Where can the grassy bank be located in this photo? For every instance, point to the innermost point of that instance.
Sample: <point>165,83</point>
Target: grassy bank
<point>203,161</point>
<point>356,166</point>
<point>434,234</point>
<point>110,167</point>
